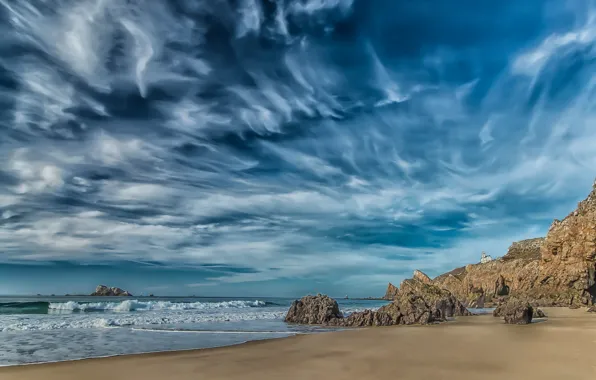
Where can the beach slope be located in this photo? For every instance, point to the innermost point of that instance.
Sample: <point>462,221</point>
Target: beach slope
<point>480,347</point>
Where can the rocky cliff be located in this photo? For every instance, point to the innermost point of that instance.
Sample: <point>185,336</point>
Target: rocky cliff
<point>558,270</point>
<point>568,257</point>
<point>105,291</point>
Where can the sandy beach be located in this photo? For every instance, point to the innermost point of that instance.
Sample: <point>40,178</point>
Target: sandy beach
<point>479,347</point>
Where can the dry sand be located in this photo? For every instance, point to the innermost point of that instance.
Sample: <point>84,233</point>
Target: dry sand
<point>481,347</point>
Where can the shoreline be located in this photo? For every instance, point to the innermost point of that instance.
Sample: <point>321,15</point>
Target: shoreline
<point>475,347</point>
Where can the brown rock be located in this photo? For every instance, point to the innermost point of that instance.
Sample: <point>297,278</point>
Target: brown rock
<point>568,261</point>
<point>421,276</point>
<point>414,310</point>
<point>441,302</point>
<point>515,311</point>
<point>387,315</point>
<point>592,309</point>
<point>391,292</point>
<point>501,288</point>
<point>313,310</point>
<point>476,298</point>
<point>574,306</point>
<point>511,276</point>
<point>415,302</point>
<point>559,270</point>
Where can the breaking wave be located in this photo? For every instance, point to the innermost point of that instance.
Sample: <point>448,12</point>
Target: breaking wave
<point>42,307</point>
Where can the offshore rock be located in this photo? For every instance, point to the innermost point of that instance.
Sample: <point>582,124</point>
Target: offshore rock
<point>314,310</point>
<point>515,311</point>
<point>105,291</point>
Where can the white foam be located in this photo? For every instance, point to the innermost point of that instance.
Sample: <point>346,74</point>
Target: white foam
<point>133,305</point>
<point>112,320</point>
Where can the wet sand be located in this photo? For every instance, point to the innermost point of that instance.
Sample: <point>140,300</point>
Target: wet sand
<point>482,347</point>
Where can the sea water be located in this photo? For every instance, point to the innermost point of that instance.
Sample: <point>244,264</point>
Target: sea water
<point>48,329</point>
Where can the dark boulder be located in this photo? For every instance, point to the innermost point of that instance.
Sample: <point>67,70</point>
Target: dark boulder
<point>515,311</point>
<point>314,310</point>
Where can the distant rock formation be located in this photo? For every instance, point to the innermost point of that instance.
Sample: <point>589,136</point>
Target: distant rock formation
<point>105,291</point>
<point>559,270</point>
<point>416,302</point>
<point>391,292</point>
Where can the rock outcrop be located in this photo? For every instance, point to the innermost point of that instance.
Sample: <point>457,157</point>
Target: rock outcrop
<point>515,311</point>
<point>568,257</point>
<point>314,310</point>
<point>559,270</point>
<point>391,292</point>
<point>592,309</point>
<point>416,302</point>
<point>387,315</point>
<point>105,291</point>
<point>422,277</point>
<point>442,303</point>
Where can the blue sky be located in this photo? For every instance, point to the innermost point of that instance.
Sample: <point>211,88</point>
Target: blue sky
<point>281,148</point>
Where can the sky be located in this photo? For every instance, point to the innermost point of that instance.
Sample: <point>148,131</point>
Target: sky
<point>278,148</point>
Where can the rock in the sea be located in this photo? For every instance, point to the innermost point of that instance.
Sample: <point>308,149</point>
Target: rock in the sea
<point>538,313</point>
<point>391,292</point>
<point>314,310</point>
<point>103,290</point>
<point>515,311</point>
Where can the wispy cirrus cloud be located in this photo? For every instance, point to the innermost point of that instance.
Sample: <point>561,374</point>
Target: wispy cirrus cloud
<point>295,140</point>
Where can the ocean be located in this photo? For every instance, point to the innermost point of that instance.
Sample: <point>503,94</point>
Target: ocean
<point>49,329</point>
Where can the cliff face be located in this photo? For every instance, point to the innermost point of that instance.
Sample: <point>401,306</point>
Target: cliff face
<point>568,265</point>
<point>558,270</point>
<point>509,275</point>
